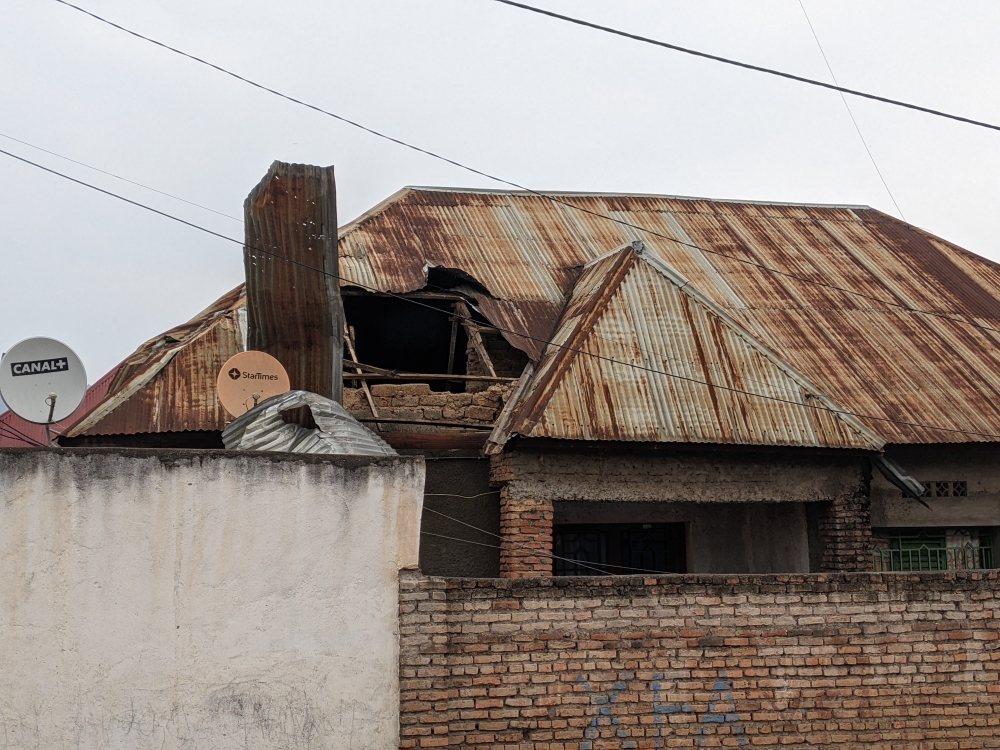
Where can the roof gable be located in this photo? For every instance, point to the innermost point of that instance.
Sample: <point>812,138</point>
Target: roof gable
<point>639,355</point>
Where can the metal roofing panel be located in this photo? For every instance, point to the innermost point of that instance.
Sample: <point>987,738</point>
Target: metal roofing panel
<point>886,363</point>
<point>168,385</point>
<point>636,357</point>
<point>295,313</point>
<point>16,433</point>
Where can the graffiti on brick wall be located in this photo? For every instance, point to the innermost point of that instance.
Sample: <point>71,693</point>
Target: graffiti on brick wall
<point>718,717</point>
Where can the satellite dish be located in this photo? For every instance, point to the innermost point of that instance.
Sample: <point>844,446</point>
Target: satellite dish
<point>42,380</point>
<point>249,378</point>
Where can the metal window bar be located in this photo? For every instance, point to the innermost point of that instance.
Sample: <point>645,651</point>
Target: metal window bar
<point>923,556</point>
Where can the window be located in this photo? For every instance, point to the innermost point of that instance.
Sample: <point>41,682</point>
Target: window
<point>619,549</point>
<point>933,549</point>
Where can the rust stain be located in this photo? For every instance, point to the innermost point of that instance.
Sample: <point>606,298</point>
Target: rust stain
<point>871,358</point>
<point>168,384</point>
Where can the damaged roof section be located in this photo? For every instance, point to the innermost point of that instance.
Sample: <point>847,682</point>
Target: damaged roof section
<point>902,369</point>
<point>168,384</point>
<point>639,355</point>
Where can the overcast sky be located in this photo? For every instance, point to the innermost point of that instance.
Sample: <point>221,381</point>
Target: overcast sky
<point>537,101</point>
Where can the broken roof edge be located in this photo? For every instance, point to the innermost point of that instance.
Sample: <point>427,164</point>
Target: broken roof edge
<point>148,370</point>
<point>521,418</point>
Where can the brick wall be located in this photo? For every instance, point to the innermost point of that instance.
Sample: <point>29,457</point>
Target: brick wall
<point>507,361</point>
<point>576,470</point>
<point>418,401</point>
<point>525,537</point>
<point>845,531</point>
<point>845,660</point>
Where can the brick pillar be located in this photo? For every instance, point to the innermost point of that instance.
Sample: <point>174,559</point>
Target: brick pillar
<point>525,538</point>
<point>845,529</point>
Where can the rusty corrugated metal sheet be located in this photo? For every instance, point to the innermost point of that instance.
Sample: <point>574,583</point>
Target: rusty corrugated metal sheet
<point>630,309</point>
<point>12,426</point>
<point>168,385</point>
<point>879,361</point>
<point>293,312</point>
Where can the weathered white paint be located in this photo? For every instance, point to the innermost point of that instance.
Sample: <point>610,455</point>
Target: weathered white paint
<point>153,599</point>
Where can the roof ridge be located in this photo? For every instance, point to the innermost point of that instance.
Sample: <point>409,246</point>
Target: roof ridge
<point>599,194</point>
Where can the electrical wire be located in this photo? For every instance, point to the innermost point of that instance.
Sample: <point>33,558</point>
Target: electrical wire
<point>463,497</point>
<point>746,66</point>
<point>11,433</point>
<point>544,342</point>
<point>21,435</point>
<point>547,196</point>
<point>118,177</point>
<point>602,571</point>
<point>847,106</point>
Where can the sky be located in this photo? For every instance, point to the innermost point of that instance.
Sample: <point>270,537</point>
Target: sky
<point>534,100</point>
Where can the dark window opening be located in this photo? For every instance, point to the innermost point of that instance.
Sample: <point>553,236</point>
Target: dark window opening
<point>397,335</point>
<point>619,549</point>
<point>932,549</point>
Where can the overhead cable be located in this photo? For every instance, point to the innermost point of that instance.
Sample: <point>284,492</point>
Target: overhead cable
<point>521,545</point>
<point>747,66</point>
<point>850,114</point>
<point>21,435</point>
<point>11,433</point>
<point>118,177</point>
<point>554,198</point>
<point>520,334</point>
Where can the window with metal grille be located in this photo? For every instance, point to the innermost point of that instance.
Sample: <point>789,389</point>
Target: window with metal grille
<point>619,549</point>
<point>945,489</point>
<point>933,549</point>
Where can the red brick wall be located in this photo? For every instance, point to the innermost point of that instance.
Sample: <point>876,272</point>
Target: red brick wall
<point>525,537</point>
<point>845,531</point>
<point>845,660</point>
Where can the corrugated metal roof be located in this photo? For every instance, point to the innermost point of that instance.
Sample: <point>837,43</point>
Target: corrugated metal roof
<point>631,318</point>
<point>168,385</point>
<point>874,359</point>
<point>11,425</point>
<point>294,313</point>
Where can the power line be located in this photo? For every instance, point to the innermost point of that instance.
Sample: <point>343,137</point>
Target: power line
<point>12,433</point>
<point>526,336</point>
<point>553,198</point>
<point>847,106</point>
<point>602,571</point>
<point>11,428</point>
<point>118,177</point>
<point>747,66</point>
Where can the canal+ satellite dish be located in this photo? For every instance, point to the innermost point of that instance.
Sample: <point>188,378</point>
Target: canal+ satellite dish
<point>42,380</point>
<point>249,378</point>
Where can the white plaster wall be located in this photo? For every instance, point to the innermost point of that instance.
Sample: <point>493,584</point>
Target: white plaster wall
<point>153,599</point>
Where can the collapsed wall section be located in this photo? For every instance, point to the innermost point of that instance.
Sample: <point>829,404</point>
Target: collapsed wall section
<point>835,661</point>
